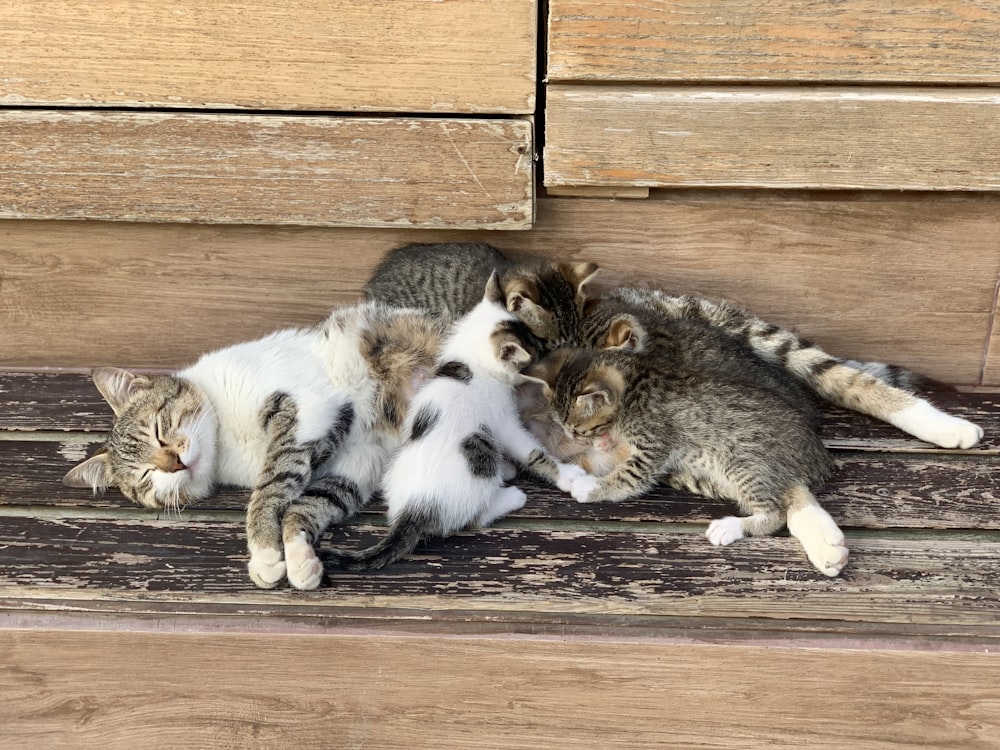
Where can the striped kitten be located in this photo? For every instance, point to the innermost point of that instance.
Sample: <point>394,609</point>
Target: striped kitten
<point>462,428</point>
<point>448,279</point>
<point>306,418</point>
<point>699,409</point>
<point>878,390</point>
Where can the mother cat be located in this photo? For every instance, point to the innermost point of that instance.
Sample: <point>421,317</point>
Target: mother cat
<point>306,417</point>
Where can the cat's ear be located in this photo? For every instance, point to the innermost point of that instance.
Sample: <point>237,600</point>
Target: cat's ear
<point>625,333</point>
<point>579,275</point>
<point>514,354</point>
<point>118,386</point>
<point>591,402</point>
<point>545,370</point>
<point>602,390</point>
<point>520,293</point>
<point>94,473</point>
<point>494,292</point>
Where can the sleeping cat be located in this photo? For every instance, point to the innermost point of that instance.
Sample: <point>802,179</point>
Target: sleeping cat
<point>462,427</point>
<point>700,409</point>
<point>883,391</point>
<point>307,418</point>
<point>448,278</point>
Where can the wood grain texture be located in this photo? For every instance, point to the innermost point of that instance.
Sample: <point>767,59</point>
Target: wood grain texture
<point>331,55</point>
<point>868,490</point>
<point>68,402</point>
<point>123,690</point>
<point>939,581</point>
<point>775,137</point>
<point>908,279</point>
<point>928,41</point>
<point>255,169</point>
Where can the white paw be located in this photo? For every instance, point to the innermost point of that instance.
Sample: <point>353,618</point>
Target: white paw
<point>305,570</point>
<point>724,531</point>
<point>821,538</point>
<point>929,423</point>
<point>568,473</point>
<point>583,488</point>
<point>828,555</point>
<point>266,567</point>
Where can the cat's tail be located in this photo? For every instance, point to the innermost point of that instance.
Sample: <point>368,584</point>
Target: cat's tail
<point>403,537</point>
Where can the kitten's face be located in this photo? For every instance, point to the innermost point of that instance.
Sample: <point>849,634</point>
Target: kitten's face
<point>550,300</point>
<point>583,395</point>
<point>161,450</point>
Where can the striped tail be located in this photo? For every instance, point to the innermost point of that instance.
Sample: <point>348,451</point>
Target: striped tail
<point>403,537</point>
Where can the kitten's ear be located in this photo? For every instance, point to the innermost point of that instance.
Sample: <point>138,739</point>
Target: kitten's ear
<point>545,370</point>
<point>94,473</point>
<point>514,354</point>
<point>578,275</point>
<point>625,333</point>
<point>602,390</point>
<point>521,292</point>
<point>494,292</point>
<point>118,386</point>
<point>591,402</point>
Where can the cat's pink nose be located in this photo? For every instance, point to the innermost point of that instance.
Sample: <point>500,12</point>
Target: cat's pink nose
<point>168,461</point>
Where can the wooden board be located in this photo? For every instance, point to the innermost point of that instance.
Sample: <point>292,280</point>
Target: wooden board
<point>868,490</point>
<point>909,278</point>
<point>54,402</point>
<point>329,55</point>
<point>928,41</point>
<point>775,137</point>
<point>150,689</point>
<point>243,169</point>
<point>937,582</point>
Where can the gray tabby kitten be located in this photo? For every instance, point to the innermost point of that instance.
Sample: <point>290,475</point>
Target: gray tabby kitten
<point>448,279</point>
<point>463,427</point>
<point>699,409</point>
<point>307,418</point>
<point>873,388</point>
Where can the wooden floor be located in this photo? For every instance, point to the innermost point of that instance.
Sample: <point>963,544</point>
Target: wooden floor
<point>566,625</point>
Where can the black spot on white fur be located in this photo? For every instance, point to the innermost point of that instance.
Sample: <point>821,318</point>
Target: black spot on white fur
<point>481,453</point>
<point>424,421</point>
<point>455,370</point>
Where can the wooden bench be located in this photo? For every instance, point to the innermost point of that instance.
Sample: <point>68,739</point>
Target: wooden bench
<point>566,625</point>
<point>238,167</point>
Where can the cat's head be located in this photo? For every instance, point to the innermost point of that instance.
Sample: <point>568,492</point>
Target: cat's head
<point>583,389</point>
<point>549,298</point>
<point>161,450</point>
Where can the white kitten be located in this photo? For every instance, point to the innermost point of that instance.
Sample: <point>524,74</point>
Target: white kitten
<point>461,427</point>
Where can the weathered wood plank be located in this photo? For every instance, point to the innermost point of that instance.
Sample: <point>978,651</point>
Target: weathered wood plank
<point>774,137</point>
<point>908,278</point>
<point>868,490</point>
<point>888,580</point>
<point>93,690</point>
<point>266,169</point>
<point>68,401</point>
<point>930,41</point>
<point>331,55</point>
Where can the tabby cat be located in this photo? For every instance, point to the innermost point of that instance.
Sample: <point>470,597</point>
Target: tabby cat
<point>307,418</point>
<point>697,407</point>
<point>462,427</point>
<point>448,279</point>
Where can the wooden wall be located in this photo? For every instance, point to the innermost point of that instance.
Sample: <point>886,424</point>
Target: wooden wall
<point>906,277</point>
<point>835,170</point>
